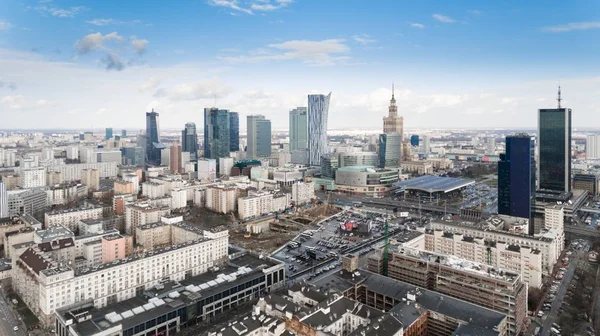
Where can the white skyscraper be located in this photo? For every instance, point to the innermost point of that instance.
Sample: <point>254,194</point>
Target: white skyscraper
<point>318,110</point>
<point>426,145</point>
<point>592,146</point>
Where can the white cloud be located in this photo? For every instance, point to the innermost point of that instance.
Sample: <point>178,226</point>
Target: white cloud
<point>325,52</point>
<point>5,25</point>
<point>363,39</point>
<point>474,12</point>
<point>112,61</point>
<point>443,18</point>
<point>204,89</point>
<point>231,4</point>
<point>417,25</point>
<point>139,45</point>
<point>149,85</point>
<point>60,12</point>
<point>21,102</point>
<point>267,5</point>
<point>95,41</point>
<point>572,26</point>
<point>107,22</point>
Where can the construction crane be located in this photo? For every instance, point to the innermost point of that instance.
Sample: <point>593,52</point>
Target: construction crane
<point>385,247</point>
<point>326,205</point>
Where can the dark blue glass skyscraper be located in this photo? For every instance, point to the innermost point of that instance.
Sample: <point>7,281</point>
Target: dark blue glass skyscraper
<point>217,134</point>
<point>189,141</point>
<point>414,140</point>
<point>554,142</point>
<point>153,145</point>
<point>234,132</point>
<point>516,178</point>
<point>109,133</point>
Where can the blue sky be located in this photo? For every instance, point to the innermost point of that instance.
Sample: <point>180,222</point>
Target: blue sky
<point>455,63</point>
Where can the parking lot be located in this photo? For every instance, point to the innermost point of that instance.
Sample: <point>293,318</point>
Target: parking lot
<point>319,250</point>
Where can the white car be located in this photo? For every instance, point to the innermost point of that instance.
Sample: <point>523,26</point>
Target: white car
<point>16,328</point>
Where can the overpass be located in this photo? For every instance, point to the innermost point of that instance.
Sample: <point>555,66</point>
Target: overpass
<point>581,231</point>
<point>589,210</point>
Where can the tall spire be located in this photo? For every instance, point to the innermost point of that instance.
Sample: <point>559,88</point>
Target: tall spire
<point>392,90</point>
<point>559,99</point>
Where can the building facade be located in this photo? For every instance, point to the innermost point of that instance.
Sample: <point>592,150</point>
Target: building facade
<point>153,145</point>
<point>189,140</point>
<point>554,146</point>
<point>234,132</point>
<point>390,147</point>
<point>217,133</point>
<point>298,129</point>
<point>259,137</point>
<point>32,177</point>
<point>318,111</point>
<point>393,123</point>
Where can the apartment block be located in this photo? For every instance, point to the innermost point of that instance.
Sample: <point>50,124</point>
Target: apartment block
<point>494,288</point>
<point>53,178</point>
<point>178,198</point>
<point>153,189</point>
<point>65,192</point>
<point>47,285</point>
<point>221,198</point>
<point>171,230</point>
<point>142,213</point>
<point>91,178</point>
<point>303,192</point>
<point>522,259</point>
<point>32,177</point>
<point>26,201</point>
<point>257,204</point>
<point>72,172</point>
<point>70,218</point>
<point>549,243</point>
<point>123,188</point>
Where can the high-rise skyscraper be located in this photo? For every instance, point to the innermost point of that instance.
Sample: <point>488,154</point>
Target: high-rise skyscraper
<point>234,132</point>
<point>318,111</point>
<point>123,133</point>
<point>175,158</point>
<point>426,144</point>
<point>592,146</point>
<point>153,145</point>
<point>259,136</point>
<point>189,141</point>
<point>217,143</point>
<point>516,178</point>
<point>554,145</point>
<point>393,123</point>
<point>298,129</point>
<point>390,145</point>
<point>414,140</point>
<point>133,156</point>
<point>3,200</point>
<point>109,133</point>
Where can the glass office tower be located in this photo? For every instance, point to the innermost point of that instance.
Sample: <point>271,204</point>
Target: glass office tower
<point>234,132</point>
<point>390,145</point>
<point>318,111</point>
<point>189,141</point>
<point>554,143</point>
<point>298,129</point>
<point>153,145</point>
<point>516,178</point>
<point>217,134</point>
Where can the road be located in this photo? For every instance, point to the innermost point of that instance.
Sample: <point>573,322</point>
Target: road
<point>8,319</point>
<point>552,314</point>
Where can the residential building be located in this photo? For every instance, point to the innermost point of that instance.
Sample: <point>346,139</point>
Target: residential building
<point>40,279</point>
<point>91,178</point>
<point>53,178</point>
<point>221,198</point>
<point>3,200</point>
<point>165,157</point>
<point>109,133</point>
<point>393,123</point>
<point>317,114</point>
<point>171,230</point>
<point>189,141</point>
<point>554,149</point>
<point>234,132</point>
<point>72,172</point>
<point>113,248</point>
<point>554,217</point>
<point>426,144</point>
<point>225,165</point>
<point>516,179</point>
<point>66,192</point>
<point>217,133</point>
<point>592,146</point>
<point>257,204</point>
<point>133,179</point>
<point>423,167</point>
<point>490,146</point>
<point>390,146</point>
<point>497,289</point>
<point>207,169</point>
<point>298,129</point>
<point>142,213</point>
<point>302,192</point>
<point>7,157</point>
<point>153,144</point>
<point>71,217</point>
<point>123,187</point>
<point>259,136</point>
<point>153,189</point>
<point>32,177</point>
<point>178,198</point>
<point>365,179</point>
<point>107,155</point>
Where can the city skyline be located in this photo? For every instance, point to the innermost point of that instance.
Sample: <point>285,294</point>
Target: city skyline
<point>64,65</point>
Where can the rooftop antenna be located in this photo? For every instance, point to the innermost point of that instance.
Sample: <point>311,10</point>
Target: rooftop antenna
<point>392,90</point>
<point>559,99</point>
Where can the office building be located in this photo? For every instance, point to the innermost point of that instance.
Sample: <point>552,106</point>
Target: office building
<point>217,134</point>
<point>493,288</point>
<point>592,146</point>
<point>70,218</point>
<point>165,157</point>
<point>589,182</point>
<point>426,144</point>
<point>393,123</point>
<point>123,133</point>
<point>3,200</point>
<point>257,204</point>
<point>329,164</point>
<point>318,111</point>
<point>234,132</point>
<point>153,144</point>
<point>259,137</point>
<point>29,201</point>
<point>189,140</point>
<point>516,178</point>
<point>554,146</point>
<point>106,155</point>
<point>365,179</point>
<point>32,177</point>
<point>109,133</point>
<point>414,140</point>
<point>490,147</point>
<point>133,156</point>
<point>390,145</point>
<point>358,159</point>
<point>175,159</point>
<point>298,129</point>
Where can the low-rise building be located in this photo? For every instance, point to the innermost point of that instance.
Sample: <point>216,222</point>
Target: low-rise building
<point>71,217</point>
<point>422,167</point>
<point>142,213</point>
<point>257,204</point>
<point>171,230</point>
<point>30,201</point>
<point>366,180</point>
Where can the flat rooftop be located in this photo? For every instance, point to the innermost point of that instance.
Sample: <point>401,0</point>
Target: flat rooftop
<point>430,183</point>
